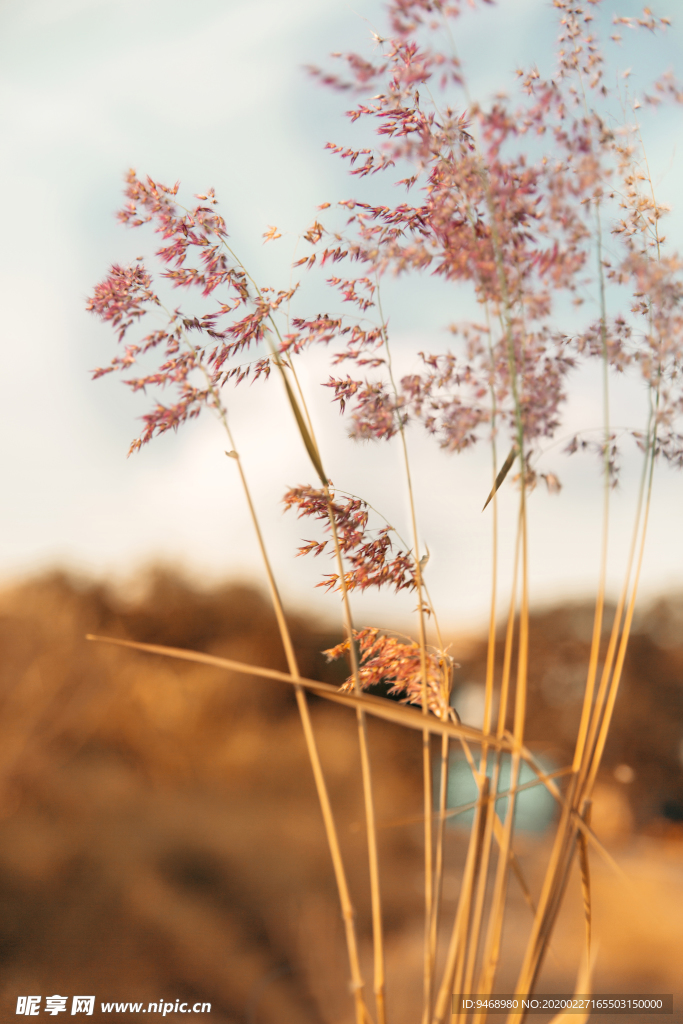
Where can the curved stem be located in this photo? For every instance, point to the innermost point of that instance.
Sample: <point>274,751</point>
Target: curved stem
<point>348,913</point>
<point>311,444</point>
<point>429,931</point>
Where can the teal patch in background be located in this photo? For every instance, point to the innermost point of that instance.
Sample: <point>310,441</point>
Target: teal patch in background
<point>534,807</point>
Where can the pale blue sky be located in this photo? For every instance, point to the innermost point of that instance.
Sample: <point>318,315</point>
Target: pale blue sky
<point>213,92</point>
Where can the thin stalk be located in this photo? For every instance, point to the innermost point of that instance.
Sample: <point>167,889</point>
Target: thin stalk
<point>455,948</point>
<point>509,639</point>
<point>591,715</point>
<point>589,691</point>
<point>523,655</point>
<point>484,801</point>
<point>429,942</point>
<point>438,862</point>
<point>496,914</point>
<point>584,864</point>
<point>618,668</point>
<point>497,909</point>
<point>368,799</point>
<point>554,885</point>
<point>558,889</point>
<point>482,881</point>
<point>311,444</point>
<point>616,625</point>
<point>650,455</point>
<point>302,398</point>
<point>443,800</point>
<point>348,913</point>
<point>308,436</point>
<point>488,699</point>
<point>557,857</point>
<point>491,645</point>
<point>520,701</point>
<point>378,707</point>
<point>498,904</point>
<point>482,884</point>
<point>482,981</point>
<point>443,796</point>
<point>571,825</point>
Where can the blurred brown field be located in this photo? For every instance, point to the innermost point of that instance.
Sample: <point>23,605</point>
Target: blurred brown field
<point>160,837</point>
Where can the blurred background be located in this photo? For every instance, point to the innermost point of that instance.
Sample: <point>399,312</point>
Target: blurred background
<point>159,833</point>
<point>160,836</point>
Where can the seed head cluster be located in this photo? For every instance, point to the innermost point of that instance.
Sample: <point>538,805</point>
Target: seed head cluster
<point>536,203</point>
<point>397,661</point>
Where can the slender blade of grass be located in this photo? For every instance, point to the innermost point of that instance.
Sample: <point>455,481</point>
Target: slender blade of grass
<point>496,911</point>
<point>311,446</point>
<point>514,862</point>
<point>585,888</point>
<point>563,837</point>
<point>368,797</point>
<point>348,914</point>
<point>378,706</point>
<point>429,950</point>
<point>504,470</point>
<point>438,864</point>
<point>306,437</point>
<point>455,949</point>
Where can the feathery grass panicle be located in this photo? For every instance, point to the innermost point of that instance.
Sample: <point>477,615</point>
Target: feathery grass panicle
<point>528,202</point>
